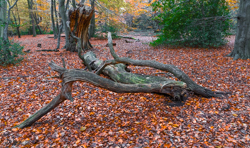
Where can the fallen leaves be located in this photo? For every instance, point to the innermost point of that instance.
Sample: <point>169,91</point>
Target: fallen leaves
<point>100,118</point>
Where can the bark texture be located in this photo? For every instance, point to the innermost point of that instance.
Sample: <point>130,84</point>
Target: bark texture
<point>79,18</point>
<point>92,22</point>
<point>52,18</point>
<point>62,11</point>
<point>32,17</point>
<point>3,14</point>
<point>242,41</point>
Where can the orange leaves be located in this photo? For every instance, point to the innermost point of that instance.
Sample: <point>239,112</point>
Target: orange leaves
<point>100,118</point>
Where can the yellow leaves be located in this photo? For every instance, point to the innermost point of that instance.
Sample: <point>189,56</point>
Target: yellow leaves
<point>235,115</point>
<point>121,98</point>
<point>83,128</point>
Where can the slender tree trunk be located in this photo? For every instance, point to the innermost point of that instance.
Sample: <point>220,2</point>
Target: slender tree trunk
<point>30,6</point>
<point>62,11</point>
<point>3,13</point>
<point>92,22</point>
<point>5,31</point>
<point>59,36</point>
<point>18,26</point>
<point>52,18</point>
<point>56,17</point>
<point>37,24</point>
<point>242,41</point>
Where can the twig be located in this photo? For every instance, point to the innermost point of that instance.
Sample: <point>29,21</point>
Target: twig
<point>52,77</point>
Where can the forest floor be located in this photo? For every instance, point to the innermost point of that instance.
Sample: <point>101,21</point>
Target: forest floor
<point>101,118</point>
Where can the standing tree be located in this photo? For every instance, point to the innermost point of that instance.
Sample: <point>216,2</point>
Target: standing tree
<point>242,40</point>
<point>32,17</point>
<point>17,24</point>
<point>62,11</point>
<point>6,23</point>
<point>92,22</point>
<point>52,18</point>
<point>3,8</point>
<point>8,52</point>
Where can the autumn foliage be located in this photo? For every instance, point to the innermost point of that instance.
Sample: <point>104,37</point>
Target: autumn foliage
<point>100,118</point>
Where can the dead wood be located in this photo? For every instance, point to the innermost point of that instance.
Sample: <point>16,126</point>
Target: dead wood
<point>48,50</point>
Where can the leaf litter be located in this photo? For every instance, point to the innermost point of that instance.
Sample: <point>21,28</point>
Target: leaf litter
<point>101,118</point>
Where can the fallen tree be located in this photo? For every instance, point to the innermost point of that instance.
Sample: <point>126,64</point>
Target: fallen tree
<point>122,81</point>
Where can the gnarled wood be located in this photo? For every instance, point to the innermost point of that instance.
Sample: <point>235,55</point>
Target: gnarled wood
<point>165,67</point>
<point>79,18</point>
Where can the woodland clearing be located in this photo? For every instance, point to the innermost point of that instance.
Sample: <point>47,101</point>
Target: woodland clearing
<point>101,118</point>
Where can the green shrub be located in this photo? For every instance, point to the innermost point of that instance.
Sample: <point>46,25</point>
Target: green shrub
<point>10,53</point>
<point>203,23</point>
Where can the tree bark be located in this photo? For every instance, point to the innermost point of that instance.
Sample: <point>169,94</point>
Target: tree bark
<point>18,24</point>
<point>3,14</point>
<point>56,17</point>
<point>52,18</point>
<point>242,41</point>
<point>92,22</point>
<point>32,19</point>
<point>62,11</point>
<point>79,18</point>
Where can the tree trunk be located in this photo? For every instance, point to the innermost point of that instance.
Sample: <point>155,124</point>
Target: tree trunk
<point>3,14</point>
<point>59,36</point>
<point>92,22</point>
<point>18,26</point>
<point>242,41</point>
<point>30,6</point>
<point>56,17</point>
<point>37,24</point>
<point>52,18</point>
<point>62,11</point>
<point>79,18</point>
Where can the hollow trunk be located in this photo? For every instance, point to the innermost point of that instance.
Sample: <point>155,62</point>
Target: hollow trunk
<point>79,18</point>
<point>242,41</point>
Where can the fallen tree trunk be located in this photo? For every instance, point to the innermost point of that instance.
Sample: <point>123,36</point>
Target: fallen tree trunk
<point>134,83</point>
<point>122,80</point>
<point>70,76</point>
